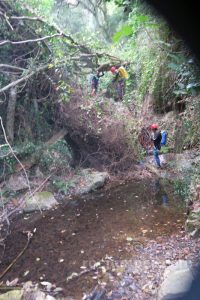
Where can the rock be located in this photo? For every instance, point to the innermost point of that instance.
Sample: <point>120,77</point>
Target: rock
<point>31,291</point>
<point>93,181</point>
<point>177,280</point>
<point>12,295</point>
<point>40,200</point>
<point>126,281</point>
<point>17,183</point>
<point>37,295</point>
<point>168,262</point>
<point>38,173</point>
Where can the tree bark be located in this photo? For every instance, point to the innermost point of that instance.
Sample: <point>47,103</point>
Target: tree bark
<point>10,119</point>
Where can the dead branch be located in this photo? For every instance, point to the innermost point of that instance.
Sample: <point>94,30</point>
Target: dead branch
<point>29,235</point>
<point>25,18</point>
<point>16,82</point>
<point>2,66</point>
<point>41,185</point>
<point>31,40</point>
<point>6,19</point>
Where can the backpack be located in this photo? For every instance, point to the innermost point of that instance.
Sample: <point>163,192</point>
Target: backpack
<point>164,138</point>
<point>123,72</point>
<point>94,80</point>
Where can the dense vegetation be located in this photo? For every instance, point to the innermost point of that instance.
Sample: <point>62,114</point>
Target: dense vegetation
<point>49,51</point>
<point>58,140</point>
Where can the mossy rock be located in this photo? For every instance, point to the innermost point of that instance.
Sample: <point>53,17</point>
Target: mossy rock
<point>12,295</point>
<point>40,201</point>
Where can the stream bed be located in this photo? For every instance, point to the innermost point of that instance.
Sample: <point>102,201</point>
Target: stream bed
<point>101,240</point>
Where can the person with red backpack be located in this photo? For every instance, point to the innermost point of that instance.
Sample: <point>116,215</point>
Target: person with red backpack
<point>156,138</point>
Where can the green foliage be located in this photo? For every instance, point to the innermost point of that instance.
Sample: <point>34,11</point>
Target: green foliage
<point>62,186</point>
<point>182,187</point>
<point>188,75</point>
<point>7,159</point>
<point>56,157</point>
<point>126,30</point>
<point>164,150</point>
<point>191,123</point>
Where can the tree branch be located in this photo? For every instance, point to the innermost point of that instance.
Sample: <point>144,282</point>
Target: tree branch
<point>25,18</point>
<point>11,67</point>
<point>31,40</point>
<point>16,82</point>
<point>6,19</point>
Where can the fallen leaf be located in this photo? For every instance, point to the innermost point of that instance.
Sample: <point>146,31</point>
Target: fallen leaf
<point>26,273</point>
<point>13,282</point>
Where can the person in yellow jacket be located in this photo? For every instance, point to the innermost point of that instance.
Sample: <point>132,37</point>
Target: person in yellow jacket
<point>120,79</point>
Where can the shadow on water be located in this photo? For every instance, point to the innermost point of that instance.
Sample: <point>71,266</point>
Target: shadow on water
<point>88,228</point>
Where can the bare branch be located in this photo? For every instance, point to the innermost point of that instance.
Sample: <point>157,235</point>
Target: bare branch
<point>31,40</point>
<point>26,18</point>
<point>1,146</point>
<point>11,67</point>
<point>16,82</point>
<point>6,19</point>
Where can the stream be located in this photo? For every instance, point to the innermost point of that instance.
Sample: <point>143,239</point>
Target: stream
<point>103,235</point>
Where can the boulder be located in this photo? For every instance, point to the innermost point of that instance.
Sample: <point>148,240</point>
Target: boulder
<point>177,280</point>
<point>40,201</point>
<point>92,181</point>
<point>12,295</point>
<point>17,183</point>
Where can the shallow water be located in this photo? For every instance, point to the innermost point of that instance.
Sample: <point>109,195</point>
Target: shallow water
<point>114,223</point>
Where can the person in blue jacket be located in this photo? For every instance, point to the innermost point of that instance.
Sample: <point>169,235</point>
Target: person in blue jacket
<point>95,82</point>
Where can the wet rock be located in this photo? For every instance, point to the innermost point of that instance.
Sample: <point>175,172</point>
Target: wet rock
<point>177,280</point>
<point>40,200</point>
<point>17,183</point>
<point>93,181</point>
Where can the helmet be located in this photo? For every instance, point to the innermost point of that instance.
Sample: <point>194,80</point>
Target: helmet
<point>154,126</point>
<point>113,69</point>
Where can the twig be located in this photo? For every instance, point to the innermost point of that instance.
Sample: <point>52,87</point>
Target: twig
<point>41,185</point>
<point>7,288</point>
<point>29,235</point>
<point>3,145</point>
<point>6,19</point>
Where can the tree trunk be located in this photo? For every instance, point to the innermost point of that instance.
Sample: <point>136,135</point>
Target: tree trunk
<point>10,119</point>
